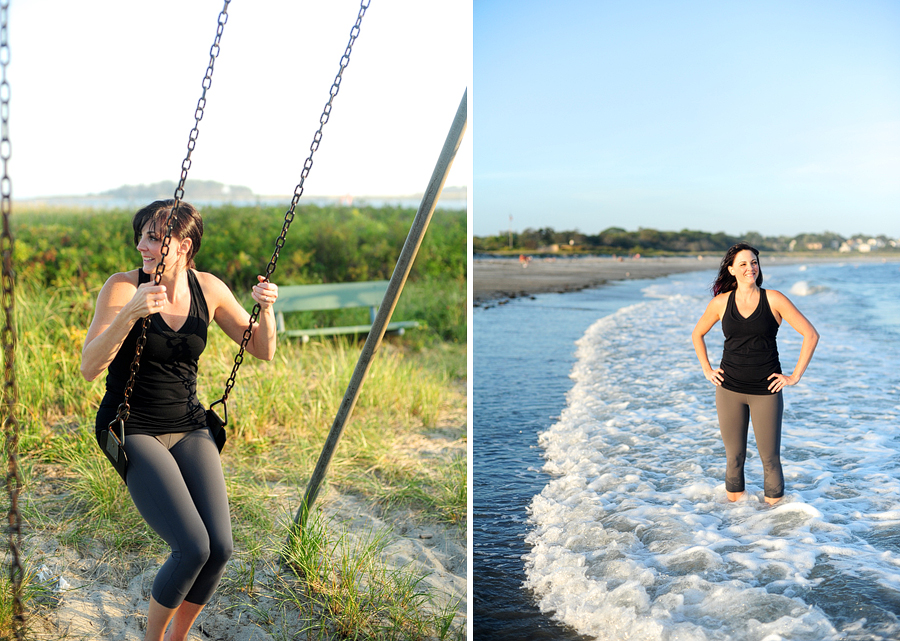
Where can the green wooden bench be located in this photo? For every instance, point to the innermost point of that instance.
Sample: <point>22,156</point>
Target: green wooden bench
<point>305,298</point>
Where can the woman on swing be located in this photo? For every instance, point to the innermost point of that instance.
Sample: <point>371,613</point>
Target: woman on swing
<point>174,474</point>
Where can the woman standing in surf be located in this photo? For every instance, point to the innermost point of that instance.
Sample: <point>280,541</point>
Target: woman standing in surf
<point>749,380</point>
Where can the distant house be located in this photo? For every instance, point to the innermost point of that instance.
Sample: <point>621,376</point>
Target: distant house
<point>862,245</point>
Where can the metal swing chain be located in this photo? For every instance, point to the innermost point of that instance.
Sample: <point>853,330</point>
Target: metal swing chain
<point>10,388</point>
<point>298,192</point>
<point>124,408</point>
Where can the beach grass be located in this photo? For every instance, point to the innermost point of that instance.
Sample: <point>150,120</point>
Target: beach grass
<point>403,447</point>
<point>343,576</point>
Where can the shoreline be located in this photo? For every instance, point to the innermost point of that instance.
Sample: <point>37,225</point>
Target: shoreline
<point>498,280</point>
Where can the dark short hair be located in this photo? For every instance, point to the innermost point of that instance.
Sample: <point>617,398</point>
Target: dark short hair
<point>187,224</point>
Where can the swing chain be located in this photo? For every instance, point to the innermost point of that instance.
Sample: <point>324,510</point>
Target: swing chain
<point>124,408</point>
<point>10,388</point>
<point>201,103</point>
<point>298,192</point>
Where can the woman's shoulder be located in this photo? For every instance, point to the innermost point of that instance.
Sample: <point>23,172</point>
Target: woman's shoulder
<point>118,288</point>
<point>717,305</point>
<point>777,299</point>
<point>120,279</point>
<point>720,300</point>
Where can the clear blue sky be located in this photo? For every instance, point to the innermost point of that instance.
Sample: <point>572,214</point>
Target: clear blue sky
<point>768,116</point>
<point>103,94</point>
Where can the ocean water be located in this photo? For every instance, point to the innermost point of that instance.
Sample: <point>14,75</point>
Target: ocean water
<point>630,535</point>
<point>523,353</point>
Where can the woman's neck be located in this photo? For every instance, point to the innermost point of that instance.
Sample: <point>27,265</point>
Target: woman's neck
<point>172,277</point>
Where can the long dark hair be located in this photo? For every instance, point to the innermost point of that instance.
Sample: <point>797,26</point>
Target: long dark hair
<point>188,224</point>
<point>725,282</point>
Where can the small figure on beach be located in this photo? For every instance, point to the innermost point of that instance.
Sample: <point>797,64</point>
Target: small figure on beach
<point>174,474</point>
<point>749,380</point>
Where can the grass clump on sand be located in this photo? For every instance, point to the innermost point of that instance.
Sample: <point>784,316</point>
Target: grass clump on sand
<point>333,583</point>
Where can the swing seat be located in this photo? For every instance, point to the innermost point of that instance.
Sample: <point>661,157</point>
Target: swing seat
<point>306,298</point>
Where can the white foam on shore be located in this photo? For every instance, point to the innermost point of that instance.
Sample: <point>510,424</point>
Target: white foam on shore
<point>634,537</point>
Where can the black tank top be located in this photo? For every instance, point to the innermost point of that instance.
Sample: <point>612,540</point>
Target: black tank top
<point>750,355</point>
<point>164,397</point>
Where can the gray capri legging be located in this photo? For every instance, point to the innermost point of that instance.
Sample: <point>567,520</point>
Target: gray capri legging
<point>735,411</point>
<point>176,483</point>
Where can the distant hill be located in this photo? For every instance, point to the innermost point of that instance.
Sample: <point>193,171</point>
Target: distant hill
<point>206,190</point>
<point>200,190</point>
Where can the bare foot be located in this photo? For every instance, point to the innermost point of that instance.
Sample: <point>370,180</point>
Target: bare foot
<point>733,496</point>
<point>773,501</point>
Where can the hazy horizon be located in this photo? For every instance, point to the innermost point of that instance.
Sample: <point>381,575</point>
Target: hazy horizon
<point>448,191</point>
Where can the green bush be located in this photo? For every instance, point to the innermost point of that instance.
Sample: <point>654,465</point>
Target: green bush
<point>323,245</point>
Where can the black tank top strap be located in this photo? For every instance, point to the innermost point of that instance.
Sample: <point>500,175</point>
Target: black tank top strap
<point>199,308</point>
<point>729,305</point>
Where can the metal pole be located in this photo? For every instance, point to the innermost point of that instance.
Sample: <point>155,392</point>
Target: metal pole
<point>383,317</point>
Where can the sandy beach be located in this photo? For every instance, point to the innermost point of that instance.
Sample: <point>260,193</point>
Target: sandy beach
<point>503,278</point>
<point>498,279</point>
<point>97,594</point>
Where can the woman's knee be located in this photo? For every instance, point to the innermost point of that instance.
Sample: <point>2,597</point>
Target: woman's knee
<point>221,549</point>
<point>194,552</point>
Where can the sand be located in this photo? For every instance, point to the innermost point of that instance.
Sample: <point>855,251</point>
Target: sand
<point>499,279</point>
<point>93,595</point>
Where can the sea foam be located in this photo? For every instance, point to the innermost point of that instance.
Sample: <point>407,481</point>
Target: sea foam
<point>633,538</point>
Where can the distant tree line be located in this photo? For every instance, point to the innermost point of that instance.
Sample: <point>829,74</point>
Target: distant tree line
<point>616,240</point>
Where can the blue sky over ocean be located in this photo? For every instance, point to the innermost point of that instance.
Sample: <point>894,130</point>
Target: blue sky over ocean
<point>760,116</point>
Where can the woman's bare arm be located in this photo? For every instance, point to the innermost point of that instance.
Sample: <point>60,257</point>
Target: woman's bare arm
<point>711,316</point>
<point>120,304</point>
<point>785,309</point>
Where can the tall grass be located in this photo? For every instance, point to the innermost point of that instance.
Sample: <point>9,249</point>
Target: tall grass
<point>279,413</point>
